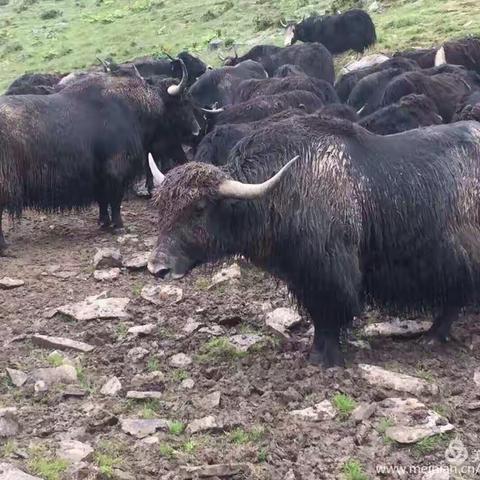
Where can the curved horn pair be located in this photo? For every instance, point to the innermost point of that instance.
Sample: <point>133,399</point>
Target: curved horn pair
<point>106,66</point>
<point>158,176</point>
<point>176,90</point>
<point>249,191</point>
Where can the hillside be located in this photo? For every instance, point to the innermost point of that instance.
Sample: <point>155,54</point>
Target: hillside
<point>48,35</point>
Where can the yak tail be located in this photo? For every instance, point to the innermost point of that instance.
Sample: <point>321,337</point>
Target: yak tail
<point>440,57</point>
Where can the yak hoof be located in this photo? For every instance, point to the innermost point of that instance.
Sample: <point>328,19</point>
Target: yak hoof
<point>3,247</point>
<point>327,358</point>
<point>435,336</point>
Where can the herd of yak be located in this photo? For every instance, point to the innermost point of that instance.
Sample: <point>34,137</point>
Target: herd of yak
<point>361,190</point>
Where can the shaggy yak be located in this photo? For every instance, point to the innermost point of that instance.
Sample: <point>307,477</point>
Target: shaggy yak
<point>84,144</point>
<point>391,220</point>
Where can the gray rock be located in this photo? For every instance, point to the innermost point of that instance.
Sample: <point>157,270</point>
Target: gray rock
<point>205,424</point>
<point>245,341</point>
<point>437,474</point>
<point>7,283</point>
<point>214,330</point>
<point>152,440</point>
<point>208,402</point>
<point>225,275</point>
<point>190,326</point>
<point>128,238</point>
<point>162,294</point>
<point>143,395</point>
<point>151,378</point>
<point>111,387</point>
<point>97,308</point>
<point>180,360</point>
<point>363,412</point>
<point>400,382</point>
<point>107,258</point>
<point>143,329</point>
<point>17,377</point>
<point>141,428</point>
<point>476,378</point>
<point>137,354</point>
<point>10,472</point>
<point>396,328</point>
<point>64,374</point>
<point>74,451</point>
<point>9,426</point>
<point>282,319</point>
<point>365,61</point>
<point>226,470</point>
<point>106,275</point>
<point>215,44</point>
<point>406,435</point>
<point>40,386</point>
<point>61,343</point>
<point>374,6</point>
<point>187,384</point>
<point>321,411</point>
<point>137,262</point>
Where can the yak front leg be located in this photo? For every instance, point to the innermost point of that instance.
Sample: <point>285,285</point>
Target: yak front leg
<point>442,324</point>
<point>3,243</point>
<point>326,349</point>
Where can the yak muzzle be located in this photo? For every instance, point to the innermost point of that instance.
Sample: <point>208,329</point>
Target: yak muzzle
<point>166,268</point>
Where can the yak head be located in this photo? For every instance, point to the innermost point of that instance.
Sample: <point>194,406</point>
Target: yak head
<point>291,32</point>
<point>192,222</point>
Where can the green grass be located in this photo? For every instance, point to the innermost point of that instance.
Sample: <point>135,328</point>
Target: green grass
<point>153,365</point>
<point>430,444</point>
<point>179,375</point>
<point>8,448</point>
<point>55,359</point>
<point>62,35</point>
<point>48,468</point>
<point>150,409</point>
<point>353,470</point>
<point>166,450</point>
<point>176,427</point>
<point>241,436</point>
<point>107,458</point>
<point>219,349</point>
<point>344,404</point>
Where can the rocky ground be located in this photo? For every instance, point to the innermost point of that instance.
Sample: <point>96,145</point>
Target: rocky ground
<point>205,377</point>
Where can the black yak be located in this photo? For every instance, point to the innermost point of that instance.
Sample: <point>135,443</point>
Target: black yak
<point>465,52</point>
<point>339,110</point>
<point>34,83</point>
<point>84,144</point>
<point>424,57</point>
<point>389,220</point>
<point>352,30</point>
<point>256,53</point>
<point>412,111</point>
<point>249,89</point>
<point>288,70</point>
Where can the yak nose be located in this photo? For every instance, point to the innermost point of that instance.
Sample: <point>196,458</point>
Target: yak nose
<point>158,265</point>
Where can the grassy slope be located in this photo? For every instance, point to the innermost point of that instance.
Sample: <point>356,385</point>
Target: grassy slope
<point>126,29</point>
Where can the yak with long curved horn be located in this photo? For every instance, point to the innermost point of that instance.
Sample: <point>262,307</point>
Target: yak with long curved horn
<point>283,24</point>
<point>105,65</point>
<point>250,191</point>
<point>158,176</point>
<point>212,111</point>
<point>176,90</point>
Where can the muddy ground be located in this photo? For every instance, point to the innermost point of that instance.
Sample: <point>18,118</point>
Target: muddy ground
<point>53,255</point>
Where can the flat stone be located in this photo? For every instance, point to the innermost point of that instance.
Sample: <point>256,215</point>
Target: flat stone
<point>282,319</point>
<point>137,262</point>
<point>363,411</point>
<point>64,374</point>
<point>74,451</point>
<point>209,401</point>
<point>400,382</point>
<point>228,274</point>
<point>190,326</point>
<point>180,360</point>
<point>473,405</point>
<point>321,411</point>
<point>61,343</point>
<point>40,386</point>
<point>143,395</point>
<point>406,435</point>
<point>150,378</point>
<point>136,354</point>
<point>162,294</point>
<point>106,275</point>
<point>7,283</point>
<point>188,384</point>
<point>224,470</point>
<point>111,387</point>
<point>141,428</point>
<point>205,424</point>
<point>214,330</point>
<point>366,61</point>
<point>127,238</point>
<point>97,308</point>
<point>146,329</point>
<point>476,378</point>
<point>9,426</point>
<point>107,258</point>
<point>10,472</point>
<point>396,328</point>
<point>152,440</point>
<point>245,341</point>
<point>17,377</point>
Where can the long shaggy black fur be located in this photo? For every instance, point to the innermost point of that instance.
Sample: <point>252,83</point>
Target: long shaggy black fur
<point>256,53</point>
<point>34,83</point>
<point>424,57</point>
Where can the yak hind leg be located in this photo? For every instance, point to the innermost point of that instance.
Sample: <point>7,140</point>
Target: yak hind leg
<point>3,243</point>
<point>326,349</point>
<point>116,197</point>
<point>440,330</point>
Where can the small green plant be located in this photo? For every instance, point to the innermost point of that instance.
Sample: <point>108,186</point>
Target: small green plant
<point>176,427</point>
<point>107,458</point>
<point>83,379</point>
<point>49,14</point>
<point>137,290</point>
<point>425,374</point>
<point>153,365</point>
<point>344,404</point>
<point>55,359</point>
<point>8,448</point>
<point>262,455</point>
<point>48,468</point>
<point>121,331</point>
<point>166,450</point>
<point>219,349</point>
<point>353,470</point>
<point>179,375</point>
<point>202,283</point>
<point>239,436</point>
<point>189,447</point>
<point>430,444</point>
<point>257,433</point>
<point>384,424</point>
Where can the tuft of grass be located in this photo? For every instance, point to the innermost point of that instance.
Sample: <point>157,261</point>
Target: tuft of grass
<point>8,448</point>
<point>166,450</point>
<point>189,447</point>
<point>153,365</point>
<point>352,470</point>
<point>179,375</point>
<point>241,436</point>
<point>430,444</point>
<point>176,427</point>
<point>344,404</point>
<point>121,331</point>
<point>219,349</point>
<point>48,468</point>
<point>55,359</point>
<point>425,375</point>
<point>150,409</point>
<point>262,455</point>
<point>107,458</point>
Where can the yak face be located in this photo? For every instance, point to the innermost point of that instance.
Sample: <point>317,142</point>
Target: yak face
<point>290,34</point>
<point>192,222</point>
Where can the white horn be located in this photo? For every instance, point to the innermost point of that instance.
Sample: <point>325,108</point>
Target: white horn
<point>248,191</point>
<point>158,176</point>
<point>361,110</point>
<point>440,57</point>
<point>176,90</point>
